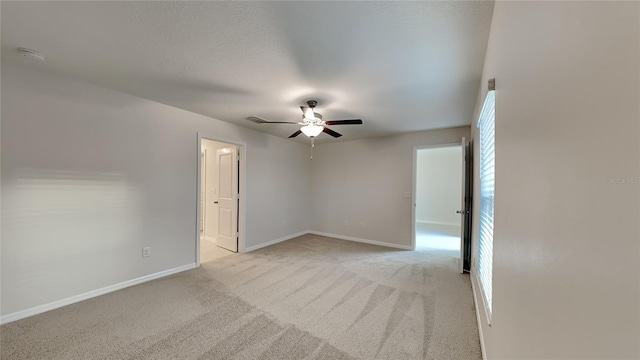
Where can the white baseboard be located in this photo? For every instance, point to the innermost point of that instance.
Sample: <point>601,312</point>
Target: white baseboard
<point>268,243</point>
<point>475,302</point>
<point>437,223</point>
<point>91,294</point>
<point>360,240</point>
<point>18,315</point>
<point>209,238</point>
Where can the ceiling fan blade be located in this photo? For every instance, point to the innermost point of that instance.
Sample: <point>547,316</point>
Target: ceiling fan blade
<point>331,132</point>
<point>344,122</point>
<point>258,120</point>
<point>295,134</point>
<point>308,112</point>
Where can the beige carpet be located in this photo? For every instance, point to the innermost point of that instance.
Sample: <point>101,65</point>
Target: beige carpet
<point>308,298</point>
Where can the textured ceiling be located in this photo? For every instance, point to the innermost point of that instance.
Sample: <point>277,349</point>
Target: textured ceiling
<point>399,66</point>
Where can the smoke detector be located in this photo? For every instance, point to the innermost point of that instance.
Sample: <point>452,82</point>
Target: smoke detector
<point>31,54</point>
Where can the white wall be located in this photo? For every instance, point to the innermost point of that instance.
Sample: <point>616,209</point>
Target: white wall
<point>567,238</point>
<point>364,181</point>
<point>439,185</point>
<point>91,175</point>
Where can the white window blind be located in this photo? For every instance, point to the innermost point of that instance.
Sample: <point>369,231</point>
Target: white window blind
<point>486,124</point>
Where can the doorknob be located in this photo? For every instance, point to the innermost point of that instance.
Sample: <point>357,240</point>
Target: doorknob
<point>215,202</point>
<point>462,212</point>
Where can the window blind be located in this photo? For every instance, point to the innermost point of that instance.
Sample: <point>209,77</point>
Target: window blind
<point>486,124</point>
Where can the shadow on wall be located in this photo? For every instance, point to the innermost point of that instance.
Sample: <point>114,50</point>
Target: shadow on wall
<point>53,218</point>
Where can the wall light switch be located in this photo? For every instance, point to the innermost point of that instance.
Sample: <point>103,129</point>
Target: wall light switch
<point>407,194</point>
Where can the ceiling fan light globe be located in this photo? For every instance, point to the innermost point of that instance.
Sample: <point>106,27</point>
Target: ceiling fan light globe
<point>311,130</point>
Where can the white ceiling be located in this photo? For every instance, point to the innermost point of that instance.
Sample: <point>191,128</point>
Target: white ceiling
<point>399,66</point>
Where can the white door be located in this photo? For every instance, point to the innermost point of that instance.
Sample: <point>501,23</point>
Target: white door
<point>463,209</point>
<point>227,198</point>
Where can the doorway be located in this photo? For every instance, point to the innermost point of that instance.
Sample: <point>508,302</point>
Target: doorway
<point>439,195</point>
<point>220,207</point>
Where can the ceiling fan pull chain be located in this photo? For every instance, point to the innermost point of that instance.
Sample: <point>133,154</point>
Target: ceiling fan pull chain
<point>313,144</point>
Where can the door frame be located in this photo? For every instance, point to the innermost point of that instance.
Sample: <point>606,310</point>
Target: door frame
<point>242,189</point>
<point>203,212</point>
<point>414,186</point>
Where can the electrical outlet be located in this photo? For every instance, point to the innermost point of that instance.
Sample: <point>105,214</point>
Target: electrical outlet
<point>346,222</point>
<point>146,251</point>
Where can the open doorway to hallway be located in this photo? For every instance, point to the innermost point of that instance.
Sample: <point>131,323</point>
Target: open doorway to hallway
<point>219,199</point>
<point>438,196</point>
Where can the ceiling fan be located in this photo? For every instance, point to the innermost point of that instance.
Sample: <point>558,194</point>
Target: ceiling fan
<point>312,123</point>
